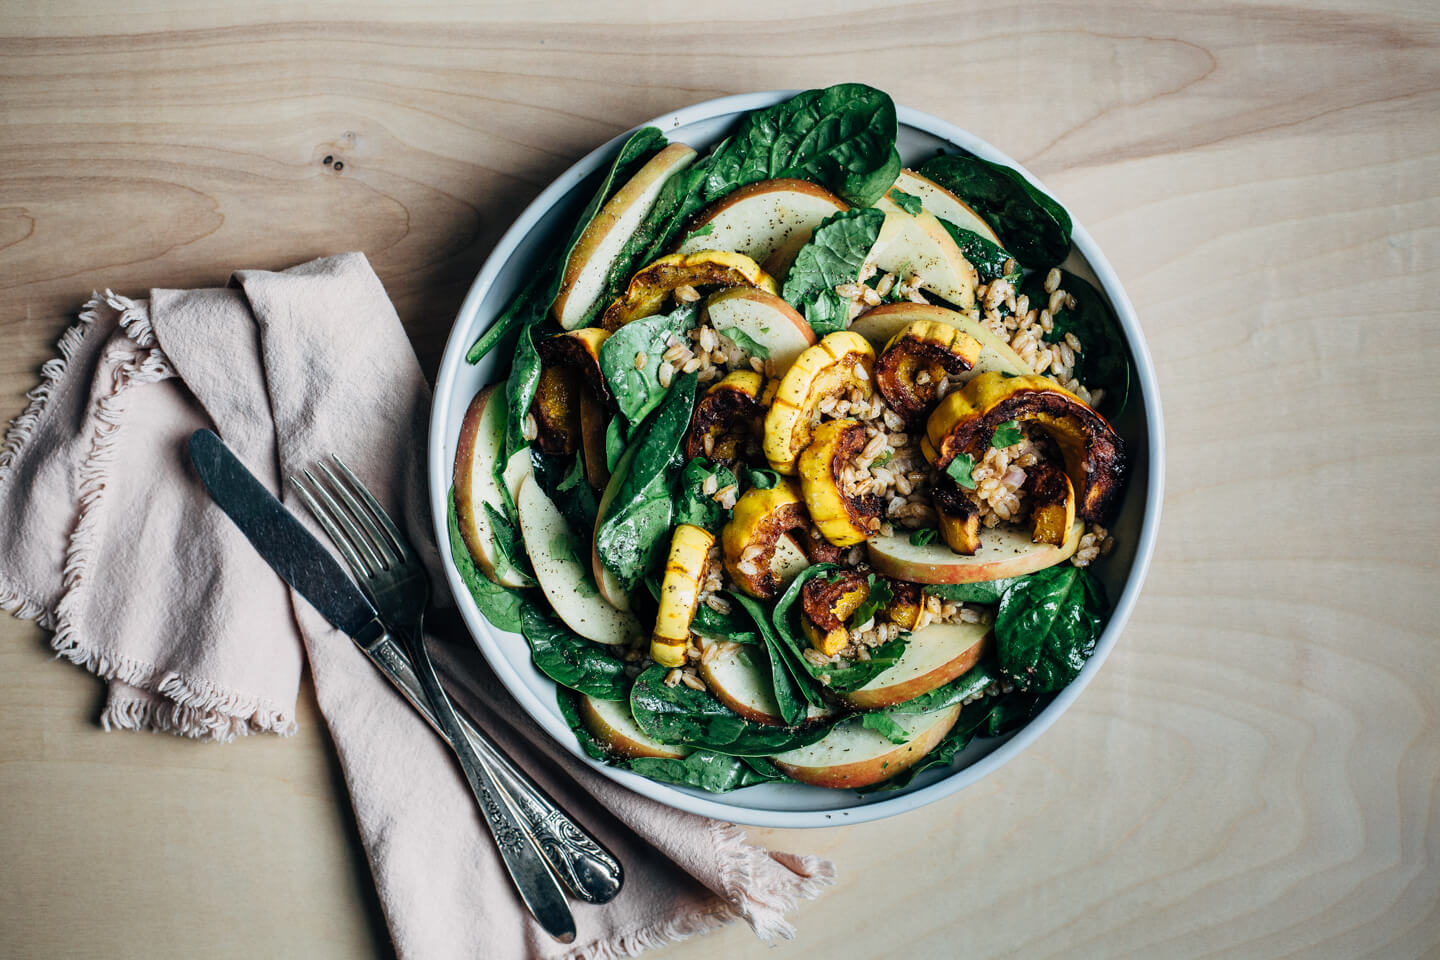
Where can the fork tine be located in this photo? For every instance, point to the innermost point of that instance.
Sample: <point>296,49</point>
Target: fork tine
<point>397,540</point>
<point>356,537</point>
<point>327,522</point>
<point>374,535</point>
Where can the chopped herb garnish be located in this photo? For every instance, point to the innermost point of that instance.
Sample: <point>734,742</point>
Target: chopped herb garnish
<point>883,459</point>
<point>1007,434</point>
<point>959,470</point>
<point>704,231</point>
<point>745,342</point>
<point>923,536</point>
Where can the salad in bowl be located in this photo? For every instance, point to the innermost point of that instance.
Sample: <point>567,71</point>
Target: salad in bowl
<point>801,465</point>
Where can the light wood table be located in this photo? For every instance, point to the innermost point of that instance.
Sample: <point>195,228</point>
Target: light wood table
<point>1252,775</point>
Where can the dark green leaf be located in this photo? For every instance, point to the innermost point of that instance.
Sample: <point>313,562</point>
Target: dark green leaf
<point>509,547</point>
<point>840,677</point>
<point>745,342</point>
<point>886,726</point>
<point>1103,360</point>
<point>908,202</point>
<point>973,681</point>
<point>704,769</point>
<point>923,536</point>
<point>578,505</point>
<point>988,259</point>
<point>637,390</point>
<point>499,605</point>
<point>762,479</point>
<point>834,255</point>
<point>569,702</point>
<point>1031,223</point>
<point>636,526</point>
<point>520,390</point>
<point>574,476</point>
<point>971,719</point>
<point>732,626</point>
<point>1007,434</point>
<point>959,470</point>
<point>615,436</point>
<point>693,505</point>
<point>786,683</point>
<point>1047,627</point>
<point>986,591</point>
<point>533,301</point>
<point>680,715</point>
<point>568,658</point>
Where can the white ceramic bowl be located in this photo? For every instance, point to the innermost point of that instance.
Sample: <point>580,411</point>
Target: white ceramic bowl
<point>781,805</point>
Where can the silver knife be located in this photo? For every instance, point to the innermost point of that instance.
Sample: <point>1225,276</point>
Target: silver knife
<point>298,557</point>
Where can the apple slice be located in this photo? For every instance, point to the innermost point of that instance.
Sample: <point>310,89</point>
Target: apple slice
<point>764,318</point>
<point>765,220</point>
<point>944,204</point>
<point>920,246</point>
<point>595,251</point>
<point>482,435</point>
<point>563,577</point>
<point>609,584</point>
<point>882,323</point>
<point>617,731</point>
<point>739,683</point>
<point>788,560</point>
<point>934,656</point>
<point>852,756</point>
<point>1005,551</point>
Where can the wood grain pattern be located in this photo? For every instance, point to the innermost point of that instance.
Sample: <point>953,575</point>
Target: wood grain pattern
<point>1254,774</point>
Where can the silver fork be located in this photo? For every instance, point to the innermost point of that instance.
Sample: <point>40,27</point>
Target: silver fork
<point>391,575</point>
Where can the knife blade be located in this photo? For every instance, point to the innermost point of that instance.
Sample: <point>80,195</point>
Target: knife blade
<point>291,550</point>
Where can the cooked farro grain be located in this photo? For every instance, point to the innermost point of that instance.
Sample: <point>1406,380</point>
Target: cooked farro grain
<point>665,373</point>
<point>692,681</point>
<point>673,677</point>
<point>640,360</point>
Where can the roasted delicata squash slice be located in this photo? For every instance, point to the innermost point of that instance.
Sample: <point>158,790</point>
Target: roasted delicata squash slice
<point>843,518</point>
<point>653,284</point>
<point>685,571</point>
<point>826,603</point>
<point>570,379</point>
<point>833,366</point>
<point>905,606</point>
<point>729,418</point>
<point>1094,454</point>
<point>766,541</point>
<point>1052,498</point>
<point>930,347</point>
<point>959,518</point>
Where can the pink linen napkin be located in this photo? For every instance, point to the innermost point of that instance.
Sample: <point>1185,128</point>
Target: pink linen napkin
<point>107,538</point>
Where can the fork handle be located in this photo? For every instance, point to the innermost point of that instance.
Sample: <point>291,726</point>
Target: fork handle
<point>589,870</point>
<point>519,851</point>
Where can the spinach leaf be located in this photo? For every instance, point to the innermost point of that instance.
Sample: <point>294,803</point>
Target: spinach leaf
<point>1011,711</point>
<point>696,507</point>
<point>908,202</point>
<point>785,680</point>
<point>986,591</point>
<point>842,137</point>
<point>637,390</point>
<point>636,526</point>
<point>696,234</point>
<point>748,344</point>
<point>1104,360</point>
<point>1031,223</point>
<point>1047,626</point>
<point>534,300</point>
<point>576,504</point>
<point>971,719</point>
<point>509,545</point>
<point>615,436</point>
<point>923,536</point>
<point>988,259</point>
<point>844,675</point>
<point>762,479</point>
<point>722,626</point>
<point>975,680</point>
<point>886,726</point>
<point>499,605</point>
<point>569,703</point>
<point>568,658</point>
<point>1007,434</point>
<point>834,255</point>
<point>680,715</point>
<point>705,769</point>
<point>520,391</point>
<point>959,470</point>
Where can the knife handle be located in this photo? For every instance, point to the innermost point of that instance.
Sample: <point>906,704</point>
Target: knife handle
<point>589,870</point>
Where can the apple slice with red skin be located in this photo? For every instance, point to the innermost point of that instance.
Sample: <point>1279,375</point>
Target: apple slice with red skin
<point>934,656</point>
<point>482,436</point>
<point>764,318</point>
<point>609,584</point>
<point>1005,551</point>
<point>612,724</point>
<point>851,756</point>
<point>739,683</point>
<point>595,251</point>
<point>767,221</point>
<point>945,204</point>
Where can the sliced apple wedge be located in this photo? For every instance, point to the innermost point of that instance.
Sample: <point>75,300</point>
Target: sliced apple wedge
<point>482,435</point>
<point>617,731</point>
<point>882,323</point>
<point>934,656</point>
<point>766,221</point>
<point>852,756</point>
<point>1005,551</point>
<point>739,683</point>
<point>764,318</point>
<point>920,246</point>
<point>562,575</point>
<point>608,583</point>
<point>944,204</point>
<point>595,251</point>
<point>788,560</point>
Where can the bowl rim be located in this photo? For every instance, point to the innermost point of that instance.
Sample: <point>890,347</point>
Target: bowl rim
<point>439,475</point>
